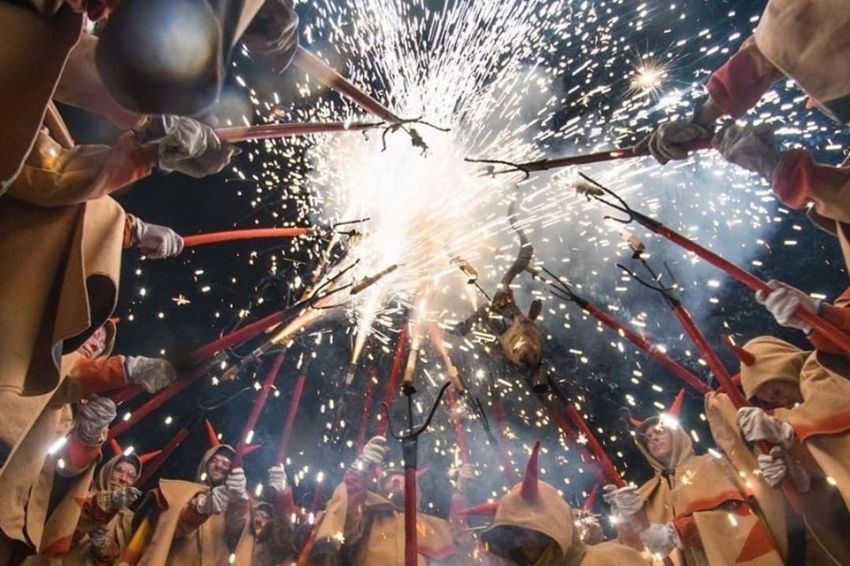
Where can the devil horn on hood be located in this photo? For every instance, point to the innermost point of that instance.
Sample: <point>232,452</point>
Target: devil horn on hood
<point>676,407</point>
<point>529,490</point>
<point>745,356</point>
<point>214,441</point>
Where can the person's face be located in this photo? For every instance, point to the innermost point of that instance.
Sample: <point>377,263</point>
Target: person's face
<point>217,468</point>
<point>123,474</point>
<point>659,442</point>
<point>259,519</point>
<point>94,346</point>
<point>393,487</point>
<point>778,394</point>
<point>530,545</point>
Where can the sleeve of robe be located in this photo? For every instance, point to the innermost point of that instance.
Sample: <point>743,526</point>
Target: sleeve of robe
<point>90,376</point>
<point>282,536</point>
<point>235,519</point>
<point>355,524</point>
<point>55,176</point>
<point>837,314</point>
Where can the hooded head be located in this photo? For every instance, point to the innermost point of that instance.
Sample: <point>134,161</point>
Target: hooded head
<point>170,56</point>
<point>391,485</point>
<point>100,343</point>
<point>119,471</point>
<point>770,372</point>
<point>261,514</point>
<point>215,465</point>
<point>533,524</point>
<point>662,440</point>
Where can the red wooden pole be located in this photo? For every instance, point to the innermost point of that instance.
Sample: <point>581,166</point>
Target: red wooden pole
<point>699,339</point>
<point>156,463</point>
<point>595,446</point>
<point>283,447</point>
<point>234,235</point>
<point>395,373</point>
<point>276,131</point>
<point>254,416</point>
<point>367,408</point>
<point>459,435</point>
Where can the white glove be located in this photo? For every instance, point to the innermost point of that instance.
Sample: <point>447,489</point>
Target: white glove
<point>212,503</point>
<point>152,374</point>
<point>124,497</point>
<point>156,241</point>
<point>192,148</point>
<point>776,465</point>
<point>99,538</point>
<point>466,478</point>
<point>93,418</point>
<point>664,142</point>
<point>660,539</point>
<point>750,147</point>
<point>372,454</point>
<point>236,484</point>
<point>624,501</point>
<point>757,425</point>
<point>783,301</point>
<point>277,479</point>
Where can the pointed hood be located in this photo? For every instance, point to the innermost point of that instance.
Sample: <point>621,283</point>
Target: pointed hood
<point>200,473</point>
<point>111,332</point>
<point>775,360</point>
<point>539,508</point>
<point>101,479</point>
<point>682,445</point>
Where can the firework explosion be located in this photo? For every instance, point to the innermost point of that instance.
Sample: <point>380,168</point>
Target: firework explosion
<point>517,82</point>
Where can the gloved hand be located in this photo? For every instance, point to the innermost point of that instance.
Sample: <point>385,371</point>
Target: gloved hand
<point>750,147</point>
<point>156,241</point>
<point>192,148</point>
<point>757,425</point>
<point>778,464</point>
<point>213,502</point>
<point>152,374</point>
<point>277,479</point>
<point>123,497</point>
<point>99,538</point>
<point>665,142</point>
<point>624,501</point>
<point>236,484</point>
<point>783,301</point>
<point>93,418</point>
<point>466,478</point>
<point>660,539</point>
<point>372,454</point>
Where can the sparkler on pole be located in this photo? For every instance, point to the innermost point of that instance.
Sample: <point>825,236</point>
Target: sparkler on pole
<point>564,292</point>
<point>463,454</point>
<point>248,429</point>
<point>587,159</point>
<point>395,373</point>
<point>743,276</point>
<point>367,408</point>
<point>233,235</point>
<point>275,131</point>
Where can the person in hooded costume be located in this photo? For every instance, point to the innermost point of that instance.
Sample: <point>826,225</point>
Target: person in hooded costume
<point>197,523</point>
<point>362,528</point>
<point>35,500</point>
<point>153,57</point>
<point>818,535</point>
<point>269,537</point>
<point>534,526</point>
<point>804,40</point>
<point>698,511</point>
<point>803,407</point>
<point>104,522</point>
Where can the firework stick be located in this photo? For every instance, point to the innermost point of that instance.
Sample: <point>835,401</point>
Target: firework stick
<point>699,339</point>
<point>157,401</point>
<point>173,444</point>
<point>602,156</point>
<point>591,498</point>
<point>679,370</point>
<point>283,447</point>
<point>395,373</point>
<point>459,436</point>
<point>276,131</point>
<point>367,408</point>
<point>743,276</point>
<point>595,446</point>
<point>320,71</point>
<point>233,235</point>
<point>570,434</point>
<point>254,416</point>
